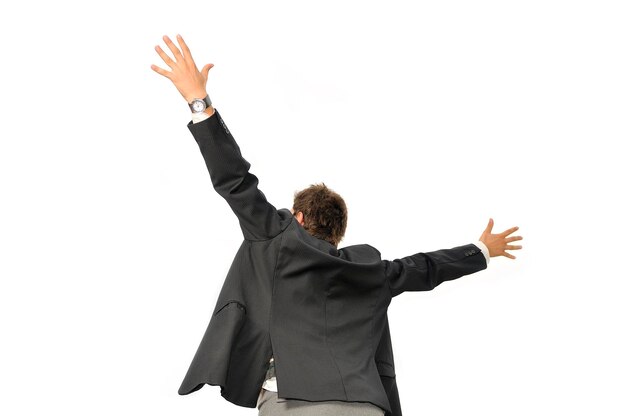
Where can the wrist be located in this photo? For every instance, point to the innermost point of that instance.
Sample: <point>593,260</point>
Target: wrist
<point>200,105</point>
<point>202,115</point>
<point>484,249</point>
<point>199,94</point>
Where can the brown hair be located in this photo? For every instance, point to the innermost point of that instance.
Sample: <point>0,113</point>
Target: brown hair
<point>325,212</point>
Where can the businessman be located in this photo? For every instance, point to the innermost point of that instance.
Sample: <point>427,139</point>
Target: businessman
<point>300,326</point>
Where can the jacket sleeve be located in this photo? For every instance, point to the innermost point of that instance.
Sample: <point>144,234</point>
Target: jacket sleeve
<point>229,171</point>
<point>425,271</point>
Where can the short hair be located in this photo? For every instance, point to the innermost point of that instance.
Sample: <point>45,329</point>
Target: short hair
<point>325,212</point>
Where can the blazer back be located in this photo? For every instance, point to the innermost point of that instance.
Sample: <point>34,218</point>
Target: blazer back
<point>320,311</point>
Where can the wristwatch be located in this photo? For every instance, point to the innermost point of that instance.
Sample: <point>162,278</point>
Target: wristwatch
<point>198,105</point>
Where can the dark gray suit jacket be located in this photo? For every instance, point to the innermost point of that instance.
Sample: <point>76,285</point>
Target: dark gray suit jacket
<point>321,312</point>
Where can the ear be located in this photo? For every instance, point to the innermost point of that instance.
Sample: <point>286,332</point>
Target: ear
<point>300,217</point>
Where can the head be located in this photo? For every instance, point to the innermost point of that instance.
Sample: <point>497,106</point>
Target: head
<point>321,212</point>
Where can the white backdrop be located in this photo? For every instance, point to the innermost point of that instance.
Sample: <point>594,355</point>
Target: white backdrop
<point>428,117</point>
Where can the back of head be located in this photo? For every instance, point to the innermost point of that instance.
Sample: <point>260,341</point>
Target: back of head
<point>325,212</point>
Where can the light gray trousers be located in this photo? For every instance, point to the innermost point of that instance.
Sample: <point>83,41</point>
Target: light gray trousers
<point>269,406</point>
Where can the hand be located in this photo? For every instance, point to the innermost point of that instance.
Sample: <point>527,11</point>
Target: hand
<point>499,243</point>
<point>190,82</point>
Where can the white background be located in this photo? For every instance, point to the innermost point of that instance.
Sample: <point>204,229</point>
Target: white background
<point>427,117</point>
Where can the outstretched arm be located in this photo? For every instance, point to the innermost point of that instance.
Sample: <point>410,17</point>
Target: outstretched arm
<point>229,171</point>
<point>425,271</point>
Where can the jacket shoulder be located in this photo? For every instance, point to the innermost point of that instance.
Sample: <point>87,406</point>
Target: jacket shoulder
<point>360,252</point>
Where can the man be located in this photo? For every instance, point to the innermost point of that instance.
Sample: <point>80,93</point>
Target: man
<point>300,327</point>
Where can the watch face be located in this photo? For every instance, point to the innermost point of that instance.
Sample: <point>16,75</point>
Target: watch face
<point>198,106</point>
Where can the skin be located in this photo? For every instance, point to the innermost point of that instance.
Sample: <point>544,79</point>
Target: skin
<point>498,244</point>
<point>191,83</point>
<point>188,80</point>
<point>299,217</point>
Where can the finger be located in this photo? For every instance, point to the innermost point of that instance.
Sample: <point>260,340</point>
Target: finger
<point>161,71</point>
<point>205,70</point>
<point>185,48</point>
<point>489,226</point>
<point>508,255</point>
<point>514,238</point>
<point>165,57</point>
<point>173,48</point>
<point>510,247</point>
<point>509,231</point>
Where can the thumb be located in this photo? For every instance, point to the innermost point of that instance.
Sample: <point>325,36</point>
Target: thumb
<point>205,70</point>
<point>489,226</point>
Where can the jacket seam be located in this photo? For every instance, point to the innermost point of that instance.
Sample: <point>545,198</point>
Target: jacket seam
<point>330,349</point>
<point>269,321</point>
<point>228,302</point>
<point>373,315</point>
<point>387,279</point>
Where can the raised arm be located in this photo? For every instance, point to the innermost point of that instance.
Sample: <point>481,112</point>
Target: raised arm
<point>229,171</point>
<point>425,271</point>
